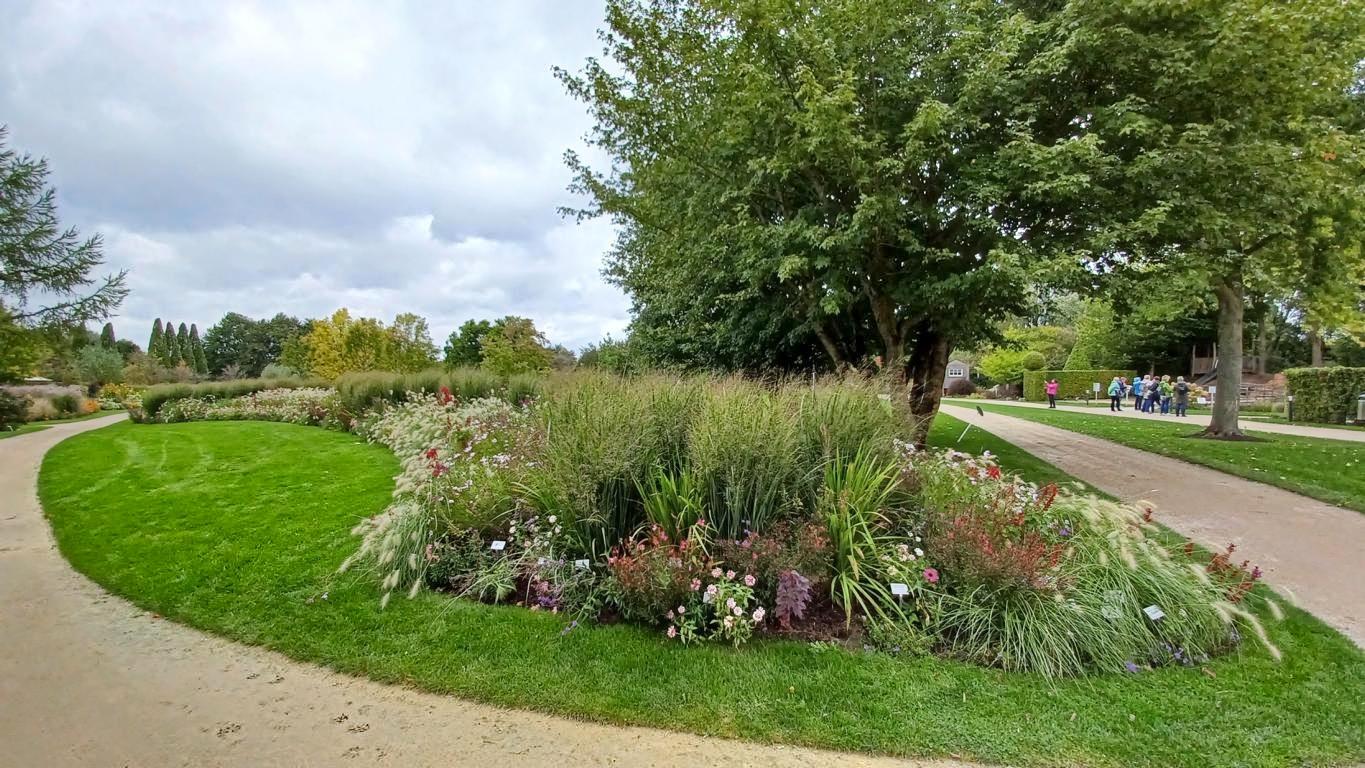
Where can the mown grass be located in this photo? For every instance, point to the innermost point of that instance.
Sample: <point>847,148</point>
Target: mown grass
<point>1329,470</point>
<point>238,527</point>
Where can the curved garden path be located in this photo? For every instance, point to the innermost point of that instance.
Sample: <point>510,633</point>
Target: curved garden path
<point>87,679</point>
<point>1196,419</point>
<point>1308,549</point>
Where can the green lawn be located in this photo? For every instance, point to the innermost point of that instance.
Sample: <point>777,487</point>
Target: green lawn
<point>38,426</point>
<point>238,527</point>
<point>1330,470</point>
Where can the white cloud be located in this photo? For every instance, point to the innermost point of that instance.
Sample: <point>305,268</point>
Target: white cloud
<point>299,156</point>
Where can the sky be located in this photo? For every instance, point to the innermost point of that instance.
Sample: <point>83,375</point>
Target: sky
<point>298,157</point>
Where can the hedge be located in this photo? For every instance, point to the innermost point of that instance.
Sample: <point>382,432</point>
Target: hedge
<point>1071,384</point>
<point>1326,395</point>
<point>159,395</point>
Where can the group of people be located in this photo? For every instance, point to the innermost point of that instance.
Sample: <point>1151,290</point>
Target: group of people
<point>1150,393</point>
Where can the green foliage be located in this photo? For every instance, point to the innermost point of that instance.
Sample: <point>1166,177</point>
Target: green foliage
<point>624,357</point>
<point>99,365</point>
<point>342,344</point>
<point>1072,384</point>
<point>1096,338</point>
<point>199,362</point>
<point>513,347</point>
<point>66,404</point>
<point>1327,395</point>
<point>154,343</point>
<point>779,211</point>
<point>22,349</point>
<point>13,410</point>
<point>1008,366</point>
<point>462,349</point>
<point>107,338</point>
<point>184,352</point>
<point>249,345</point>
<point>853,503</point>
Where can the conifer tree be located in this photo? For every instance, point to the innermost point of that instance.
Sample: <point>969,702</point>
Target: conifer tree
<point>107,338</point>
<point>200,363</point>
<point>182,346</point>
<point>154,343</point>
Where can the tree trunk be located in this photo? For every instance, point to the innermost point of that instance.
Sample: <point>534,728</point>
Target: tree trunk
<point>1227,400</point>
<point>1315,344</point>
<point>926,368</point>
<point>1262,344</point>
<point>836,356</point>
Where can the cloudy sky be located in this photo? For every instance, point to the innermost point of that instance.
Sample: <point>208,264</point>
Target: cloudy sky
<point>302,156</point>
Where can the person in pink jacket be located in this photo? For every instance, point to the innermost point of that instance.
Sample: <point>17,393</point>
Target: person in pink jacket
<point>1052,393</point>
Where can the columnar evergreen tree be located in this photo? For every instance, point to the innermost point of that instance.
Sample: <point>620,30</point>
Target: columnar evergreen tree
<point>154,346</point>
<point>200,363</point>
<point>170,351</point>
<point>107,338</point>
<point>184,353</point>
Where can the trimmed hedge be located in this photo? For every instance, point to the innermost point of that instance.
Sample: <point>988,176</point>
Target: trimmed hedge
<point>159,395</point>
<point>1071,384</point>
<point>1326,395</point>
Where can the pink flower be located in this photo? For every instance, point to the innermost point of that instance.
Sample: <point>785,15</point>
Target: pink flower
<point>711,589</point>
<point>681,610</point>
<point>672,631</point>
<point>730,575</point>
<point>729,602</point>
<point>931,575</point>
<point>736,610</point>
<point>715,573</point>
<point>669,615</point>
<point>749,580</point>
<point>729,621</point>
<point>696,584</point>
<point>759,614</point>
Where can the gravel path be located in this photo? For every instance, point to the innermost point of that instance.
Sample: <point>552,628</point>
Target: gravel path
<point>86,679</point>
<point>1196,419</point>
<point>1308,549</point>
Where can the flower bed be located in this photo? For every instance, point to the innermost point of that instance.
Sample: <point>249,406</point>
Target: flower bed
<point>309,406</point>
<point>717,510</point>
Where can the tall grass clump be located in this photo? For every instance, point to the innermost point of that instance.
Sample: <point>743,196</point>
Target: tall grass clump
<point>370,390</point>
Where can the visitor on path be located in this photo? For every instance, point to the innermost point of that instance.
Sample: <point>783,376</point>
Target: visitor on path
<point>1115,395</point>
<point>1166,391</point>
<point>1138,385</point>
<point>1151,393</point>
<point>1182,396</point>
<point>1052,394</point>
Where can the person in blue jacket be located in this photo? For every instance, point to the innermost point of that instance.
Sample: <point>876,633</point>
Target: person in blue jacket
<point>1115,395</point>
<point>1138,385</point>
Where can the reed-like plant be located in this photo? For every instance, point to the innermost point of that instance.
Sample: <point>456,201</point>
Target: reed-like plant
<point>853,504</point>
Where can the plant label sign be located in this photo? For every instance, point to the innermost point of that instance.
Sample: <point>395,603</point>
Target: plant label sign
<point>498,545</point>
<point>581,565</point>
<point>1095,387</point>
<point>899,590</point>
<point>1154,613</point>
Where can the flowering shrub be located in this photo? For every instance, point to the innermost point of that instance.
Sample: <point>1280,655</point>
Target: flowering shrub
<point>653,575</point>
<point>721,607</point>
<point>310,406</point>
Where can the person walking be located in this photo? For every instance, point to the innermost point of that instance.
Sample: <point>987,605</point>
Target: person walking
<point>1181,391</point>
<point>1166,390</point>
<point>1052,394</point>
<point>1151,392</point>
<point>1115,395</point>
<point>1138,384</point>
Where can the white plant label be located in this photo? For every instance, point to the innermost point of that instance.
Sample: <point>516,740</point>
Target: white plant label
<point>498,545</point>
<point>581,565</point>
<point>899,590</point>
<point>1154,613</point>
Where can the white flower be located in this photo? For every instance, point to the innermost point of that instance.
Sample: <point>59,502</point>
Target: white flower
<point>919,552</point>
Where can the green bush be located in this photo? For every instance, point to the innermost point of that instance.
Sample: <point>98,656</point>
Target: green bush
<point>159,395</point>
<point>1326,395</point>
<point>1071,384</point>
<point>13,410</point>
<point>66,405</point>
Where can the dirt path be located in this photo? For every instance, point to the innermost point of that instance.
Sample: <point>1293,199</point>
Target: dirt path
<point>1308,549</point>
<point>1196,419</point>
<point>86,679</point>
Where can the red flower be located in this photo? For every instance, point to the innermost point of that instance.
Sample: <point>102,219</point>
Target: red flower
<point>446,396</point>
<point>993,473</point>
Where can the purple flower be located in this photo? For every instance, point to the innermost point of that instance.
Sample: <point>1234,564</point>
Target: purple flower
<point>1131,667</point>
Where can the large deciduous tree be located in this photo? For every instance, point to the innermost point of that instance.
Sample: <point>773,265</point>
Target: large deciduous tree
<point>1228,146</point>
<point>462,347</point>
<point>795,179</point>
